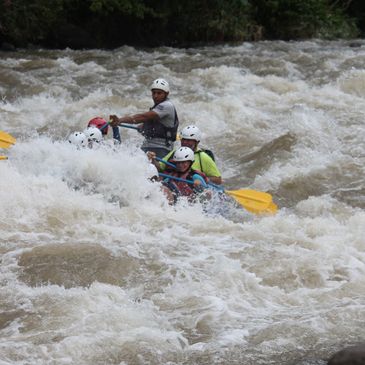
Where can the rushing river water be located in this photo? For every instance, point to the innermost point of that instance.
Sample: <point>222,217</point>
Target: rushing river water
<point>96,267</point>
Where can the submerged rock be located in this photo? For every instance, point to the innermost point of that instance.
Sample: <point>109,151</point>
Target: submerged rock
<point>354,355</point>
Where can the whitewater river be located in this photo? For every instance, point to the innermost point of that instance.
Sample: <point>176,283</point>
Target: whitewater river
<point>96,267</point>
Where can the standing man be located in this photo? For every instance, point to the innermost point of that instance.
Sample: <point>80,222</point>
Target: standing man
<point>158,125</point>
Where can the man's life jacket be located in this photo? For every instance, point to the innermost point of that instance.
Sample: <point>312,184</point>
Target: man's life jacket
<point>156,129</point>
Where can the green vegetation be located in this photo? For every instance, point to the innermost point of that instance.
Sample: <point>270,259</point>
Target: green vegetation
<point>112,23</point>
<point>288,19</point>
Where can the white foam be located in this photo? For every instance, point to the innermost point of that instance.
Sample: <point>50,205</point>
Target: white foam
<point>202,284</point>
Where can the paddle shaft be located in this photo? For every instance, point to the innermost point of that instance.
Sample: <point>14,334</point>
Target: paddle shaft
<point>176,178</point>
<point>120,125</point>
<point>116,134</point>
<point>165,162</point>
<point>128,126</point>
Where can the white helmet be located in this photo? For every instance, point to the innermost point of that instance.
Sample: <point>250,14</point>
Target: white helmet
<point>191,132</point>
<point>93,134</point>
<point>78,139</point>
<point>184,154</point>
<point>160,84</point>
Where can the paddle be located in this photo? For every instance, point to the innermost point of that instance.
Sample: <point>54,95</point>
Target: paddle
<point>115,129</point>
<point>120,125</point>
<point>116,134</point>
<point>133,127</point>
<point>165,162</point>
<point>254,201</point>
<point>6,140</point>
<point>129,126</point>
<point>138,129</point>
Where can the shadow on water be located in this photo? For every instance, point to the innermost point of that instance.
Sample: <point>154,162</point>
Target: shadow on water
<point>257,162</point>
<point>80,265</point>
<point>71,265</point>
<point>335,180</point>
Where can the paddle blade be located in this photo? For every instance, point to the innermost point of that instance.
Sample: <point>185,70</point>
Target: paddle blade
<point>254,201</point>
<point>3,158</point>
<point>6,140</point>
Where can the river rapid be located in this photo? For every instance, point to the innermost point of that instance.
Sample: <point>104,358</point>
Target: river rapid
<point>97,268</point>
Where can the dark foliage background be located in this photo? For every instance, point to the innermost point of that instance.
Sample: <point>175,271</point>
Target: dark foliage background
<point>113,23</point>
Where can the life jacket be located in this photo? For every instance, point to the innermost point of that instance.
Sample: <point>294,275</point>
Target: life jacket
<point>156,129</point>
<point>180,188</point>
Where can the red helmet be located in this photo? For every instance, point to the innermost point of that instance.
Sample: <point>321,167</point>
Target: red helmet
<point>100,123</point>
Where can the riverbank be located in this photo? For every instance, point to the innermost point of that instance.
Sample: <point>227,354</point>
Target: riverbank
<point>110,25</point>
